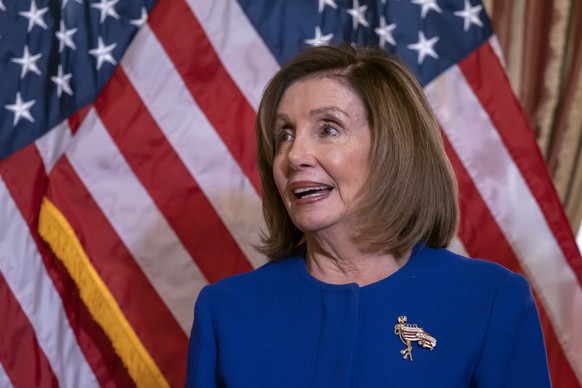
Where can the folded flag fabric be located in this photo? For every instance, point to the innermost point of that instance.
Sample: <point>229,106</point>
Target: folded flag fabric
<point>128,177</point>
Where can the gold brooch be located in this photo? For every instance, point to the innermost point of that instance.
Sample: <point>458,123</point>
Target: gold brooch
<point>408,333</point>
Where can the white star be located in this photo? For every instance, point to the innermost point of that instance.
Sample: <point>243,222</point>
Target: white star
<point>103,53</point>
<point>107,8</point>
<point>35,16</point>
<point>470,14</point>
<point>385,32</point>
<point>323,3</point>
<point>21,109</point>
<point>427,5</point>
<point>358,14</point>
<point>28,62</point>
<point>319,39</point>
<point>65,37</point>
<point>2,6</point>
<point>65,2</point>
<point>62,82</point>
<point>142,19</point>
<point>424,47</point>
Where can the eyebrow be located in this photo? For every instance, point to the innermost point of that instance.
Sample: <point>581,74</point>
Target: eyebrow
<point>328,109</point>
<point>333,110</point>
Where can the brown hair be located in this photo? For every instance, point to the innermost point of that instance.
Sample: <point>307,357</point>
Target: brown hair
<point>411,191</point>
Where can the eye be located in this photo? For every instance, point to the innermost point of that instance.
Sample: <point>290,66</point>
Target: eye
<point>283,135</point>
<point>328,129</point>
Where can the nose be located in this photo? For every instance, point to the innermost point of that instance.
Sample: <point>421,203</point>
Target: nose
<point>301,153</point>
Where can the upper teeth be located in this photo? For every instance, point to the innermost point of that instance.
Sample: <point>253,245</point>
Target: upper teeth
<point>304,189</point>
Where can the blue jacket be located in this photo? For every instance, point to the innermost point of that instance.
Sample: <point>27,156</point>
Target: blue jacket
<point>279,327</point>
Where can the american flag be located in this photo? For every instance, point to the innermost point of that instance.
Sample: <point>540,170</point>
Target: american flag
<point>126,132</point>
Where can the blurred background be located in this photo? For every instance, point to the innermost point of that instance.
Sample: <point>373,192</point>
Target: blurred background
<point>128,176</point>
<point>541,42</point>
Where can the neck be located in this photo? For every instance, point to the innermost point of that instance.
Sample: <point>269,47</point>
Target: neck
<point>343,262</point>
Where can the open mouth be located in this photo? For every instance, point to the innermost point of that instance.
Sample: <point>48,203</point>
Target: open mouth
<point>311,192</point>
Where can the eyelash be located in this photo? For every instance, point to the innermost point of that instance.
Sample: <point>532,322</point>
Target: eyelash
<point>282,134</point>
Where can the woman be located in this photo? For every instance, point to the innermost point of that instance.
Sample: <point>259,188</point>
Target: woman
<point>359,201</point>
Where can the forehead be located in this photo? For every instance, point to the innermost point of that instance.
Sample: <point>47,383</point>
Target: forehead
<point>317,92</point>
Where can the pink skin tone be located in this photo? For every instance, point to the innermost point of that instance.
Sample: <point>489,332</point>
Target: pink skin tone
<point>320,167</point>
<point>324,142</point>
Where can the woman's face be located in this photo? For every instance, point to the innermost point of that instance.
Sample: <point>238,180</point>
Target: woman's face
<point>323,143</point>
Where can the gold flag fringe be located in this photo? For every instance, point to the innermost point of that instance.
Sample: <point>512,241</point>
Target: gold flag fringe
<point>58,233</point>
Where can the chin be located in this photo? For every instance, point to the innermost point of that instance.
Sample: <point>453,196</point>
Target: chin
<point>312,226</point>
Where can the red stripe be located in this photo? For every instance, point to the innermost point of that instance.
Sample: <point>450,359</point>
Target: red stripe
<point>561,372</point>
<point>20,354</point>
<point>168,181</point>
<point>489,82</point>
<point>477,227</point>
<point>144,309</point>
<point>25,178</point>
<point>76,119</point>
<point>186,43</point>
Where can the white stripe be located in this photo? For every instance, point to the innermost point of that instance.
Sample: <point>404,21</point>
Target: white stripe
<point>494,43</point>
<point>25,274</point>
<point>512,205</point>
<point>457,246</point>
<point>135,218</point>
<point>219,18</point>
<point>201,149</point>
<point>53,144</point>
<point>238,45</point>
<point>4,380</point>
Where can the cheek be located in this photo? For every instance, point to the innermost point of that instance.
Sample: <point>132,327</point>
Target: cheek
<point>279,175</point>
<point>357,167</point>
